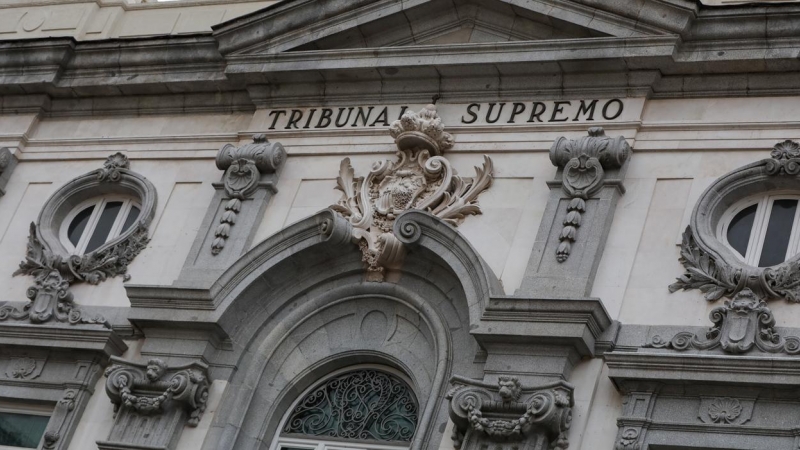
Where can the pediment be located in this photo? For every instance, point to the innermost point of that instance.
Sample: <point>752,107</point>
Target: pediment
<point>305,25</point>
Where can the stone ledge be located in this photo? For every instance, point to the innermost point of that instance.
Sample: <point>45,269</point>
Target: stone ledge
<point>669,367</point>
<point>72,337</point>
<point>574,322</point>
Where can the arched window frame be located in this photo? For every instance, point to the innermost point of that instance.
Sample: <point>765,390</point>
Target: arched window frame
<point>758,232</point>
<point>286,441</point>
<point>99,204</point>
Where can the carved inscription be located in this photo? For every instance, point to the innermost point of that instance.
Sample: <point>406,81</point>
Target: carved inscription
<point>493,113</point>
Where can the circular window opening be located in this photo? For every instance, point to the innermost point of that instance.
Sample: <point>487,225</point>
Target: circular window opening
<point>763,230</point>
<point>97,221</point>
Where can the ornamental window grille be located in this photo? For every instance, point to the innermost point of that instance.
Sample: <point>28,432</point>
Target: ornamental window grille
<point>359,405</point>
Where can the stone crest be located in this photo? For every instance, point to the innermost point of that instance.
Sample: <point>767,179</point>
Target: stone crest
<point>420,178</point>
<point>740,325</point>
<point>510,414</point>
<point>243,167</point>
<point>583,162</point>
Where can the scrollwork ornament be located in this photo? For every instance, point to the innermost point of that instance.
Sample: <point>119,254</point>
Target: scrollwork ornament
<point>785,159</point>
<point>22,368</point>
<point>742,324</point>
<point>112,166</point>
<point>420,179</point>
<point>243,168</point>
<point>629,440</point>
<point>510,412</point>
<point>147,389</point>
<point>584,162</point>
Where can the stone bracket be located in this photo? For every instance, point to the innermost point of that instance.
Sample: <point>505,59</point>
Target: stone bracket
<point>232,219</point>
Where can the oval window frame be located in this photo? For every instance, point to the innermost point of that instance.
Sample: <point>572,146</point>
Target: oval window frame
<point>65,200</point>
<point>127,203</point>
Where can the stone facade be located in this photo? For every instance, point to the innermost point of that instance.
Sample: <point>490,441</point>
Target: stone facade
<point>510,217</point>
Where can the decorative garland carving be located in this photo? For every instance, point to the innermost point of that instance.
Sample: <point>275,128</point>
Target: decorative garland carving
<point>147,389</point>
<point>740,325</point>
<point>420,179</point>
<point>53,273</point>
<point>243,167</point>
<point>583,162</point>
<point>481,412</point>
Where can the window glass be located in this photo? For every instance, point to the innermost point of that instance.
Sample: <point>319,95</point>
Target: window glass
<point>131,219</point>
<point>78,225</point>
<point>740,228</point>
<point>22,430</point>
<point>779,229</point>
<point>103,227</point>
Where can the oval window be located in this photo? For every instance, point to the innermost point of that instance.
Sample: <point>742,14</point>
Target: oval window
<point>95,222</point>
<point>763,231</point>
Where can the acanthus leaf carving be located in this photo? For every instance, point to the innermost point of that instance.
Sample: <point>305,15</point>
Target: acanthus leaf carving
<point>481,412</point>
<point>741,325</point>
<point>420,178</point>
<point>584,162</point>
<point>146,389</point>
<point>243,168</point>
<point>716,279</point>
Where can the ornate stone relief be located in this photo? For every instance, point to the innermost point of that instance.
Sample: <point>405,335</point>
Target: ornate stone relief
<point>5,159</point>
<point>740,325</point>
<point>54,270</point>
<point>243,167</point>
<point>146,388</point>
<point>583,162</point>
<point>725,410</point>
<point>22,368</point>
<point>61,413</point>
<point>482,414</point>
<point>703,256</point>
<point>421,178</point>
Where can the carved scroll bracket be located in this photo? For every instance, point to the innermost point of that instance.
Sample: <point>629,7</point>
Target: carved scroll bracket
<point>509,412</point>
<point>420,178</point>
<point>741,325</point>
<point>584,162</point>
<point>243,168</point>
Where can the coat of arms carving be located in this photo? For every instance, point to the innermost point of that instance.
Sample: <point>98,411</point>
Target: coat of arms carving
<point>421,178</point>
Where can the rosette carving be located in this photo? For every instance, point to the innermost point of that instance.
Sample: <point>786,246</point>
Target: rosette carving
<point>785,159</point>
<point>243,168</point>
<point>146,389</point>
<point>508,412</point>
<point>420,178</point>
<point>740,325</point>
<point>584,162</point>
<point>111,168</point>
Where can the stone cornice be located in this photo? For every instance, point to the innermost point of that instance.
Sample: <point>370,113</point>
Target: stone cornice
<point>670,367</point>
<point>575,322</point>
<point>63,336</point>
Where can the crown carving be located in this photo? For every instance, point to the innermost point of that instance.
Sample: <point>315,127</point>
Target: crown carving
<point>423,130</point>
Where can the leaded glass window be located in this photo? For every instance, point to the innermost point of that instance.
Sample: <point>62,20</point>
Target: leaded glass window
<point>366,404</point>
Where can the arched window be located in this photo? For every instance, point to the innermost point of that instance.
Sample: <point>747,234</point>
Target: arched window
<point>764,230</point>
<point>359,409</point>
